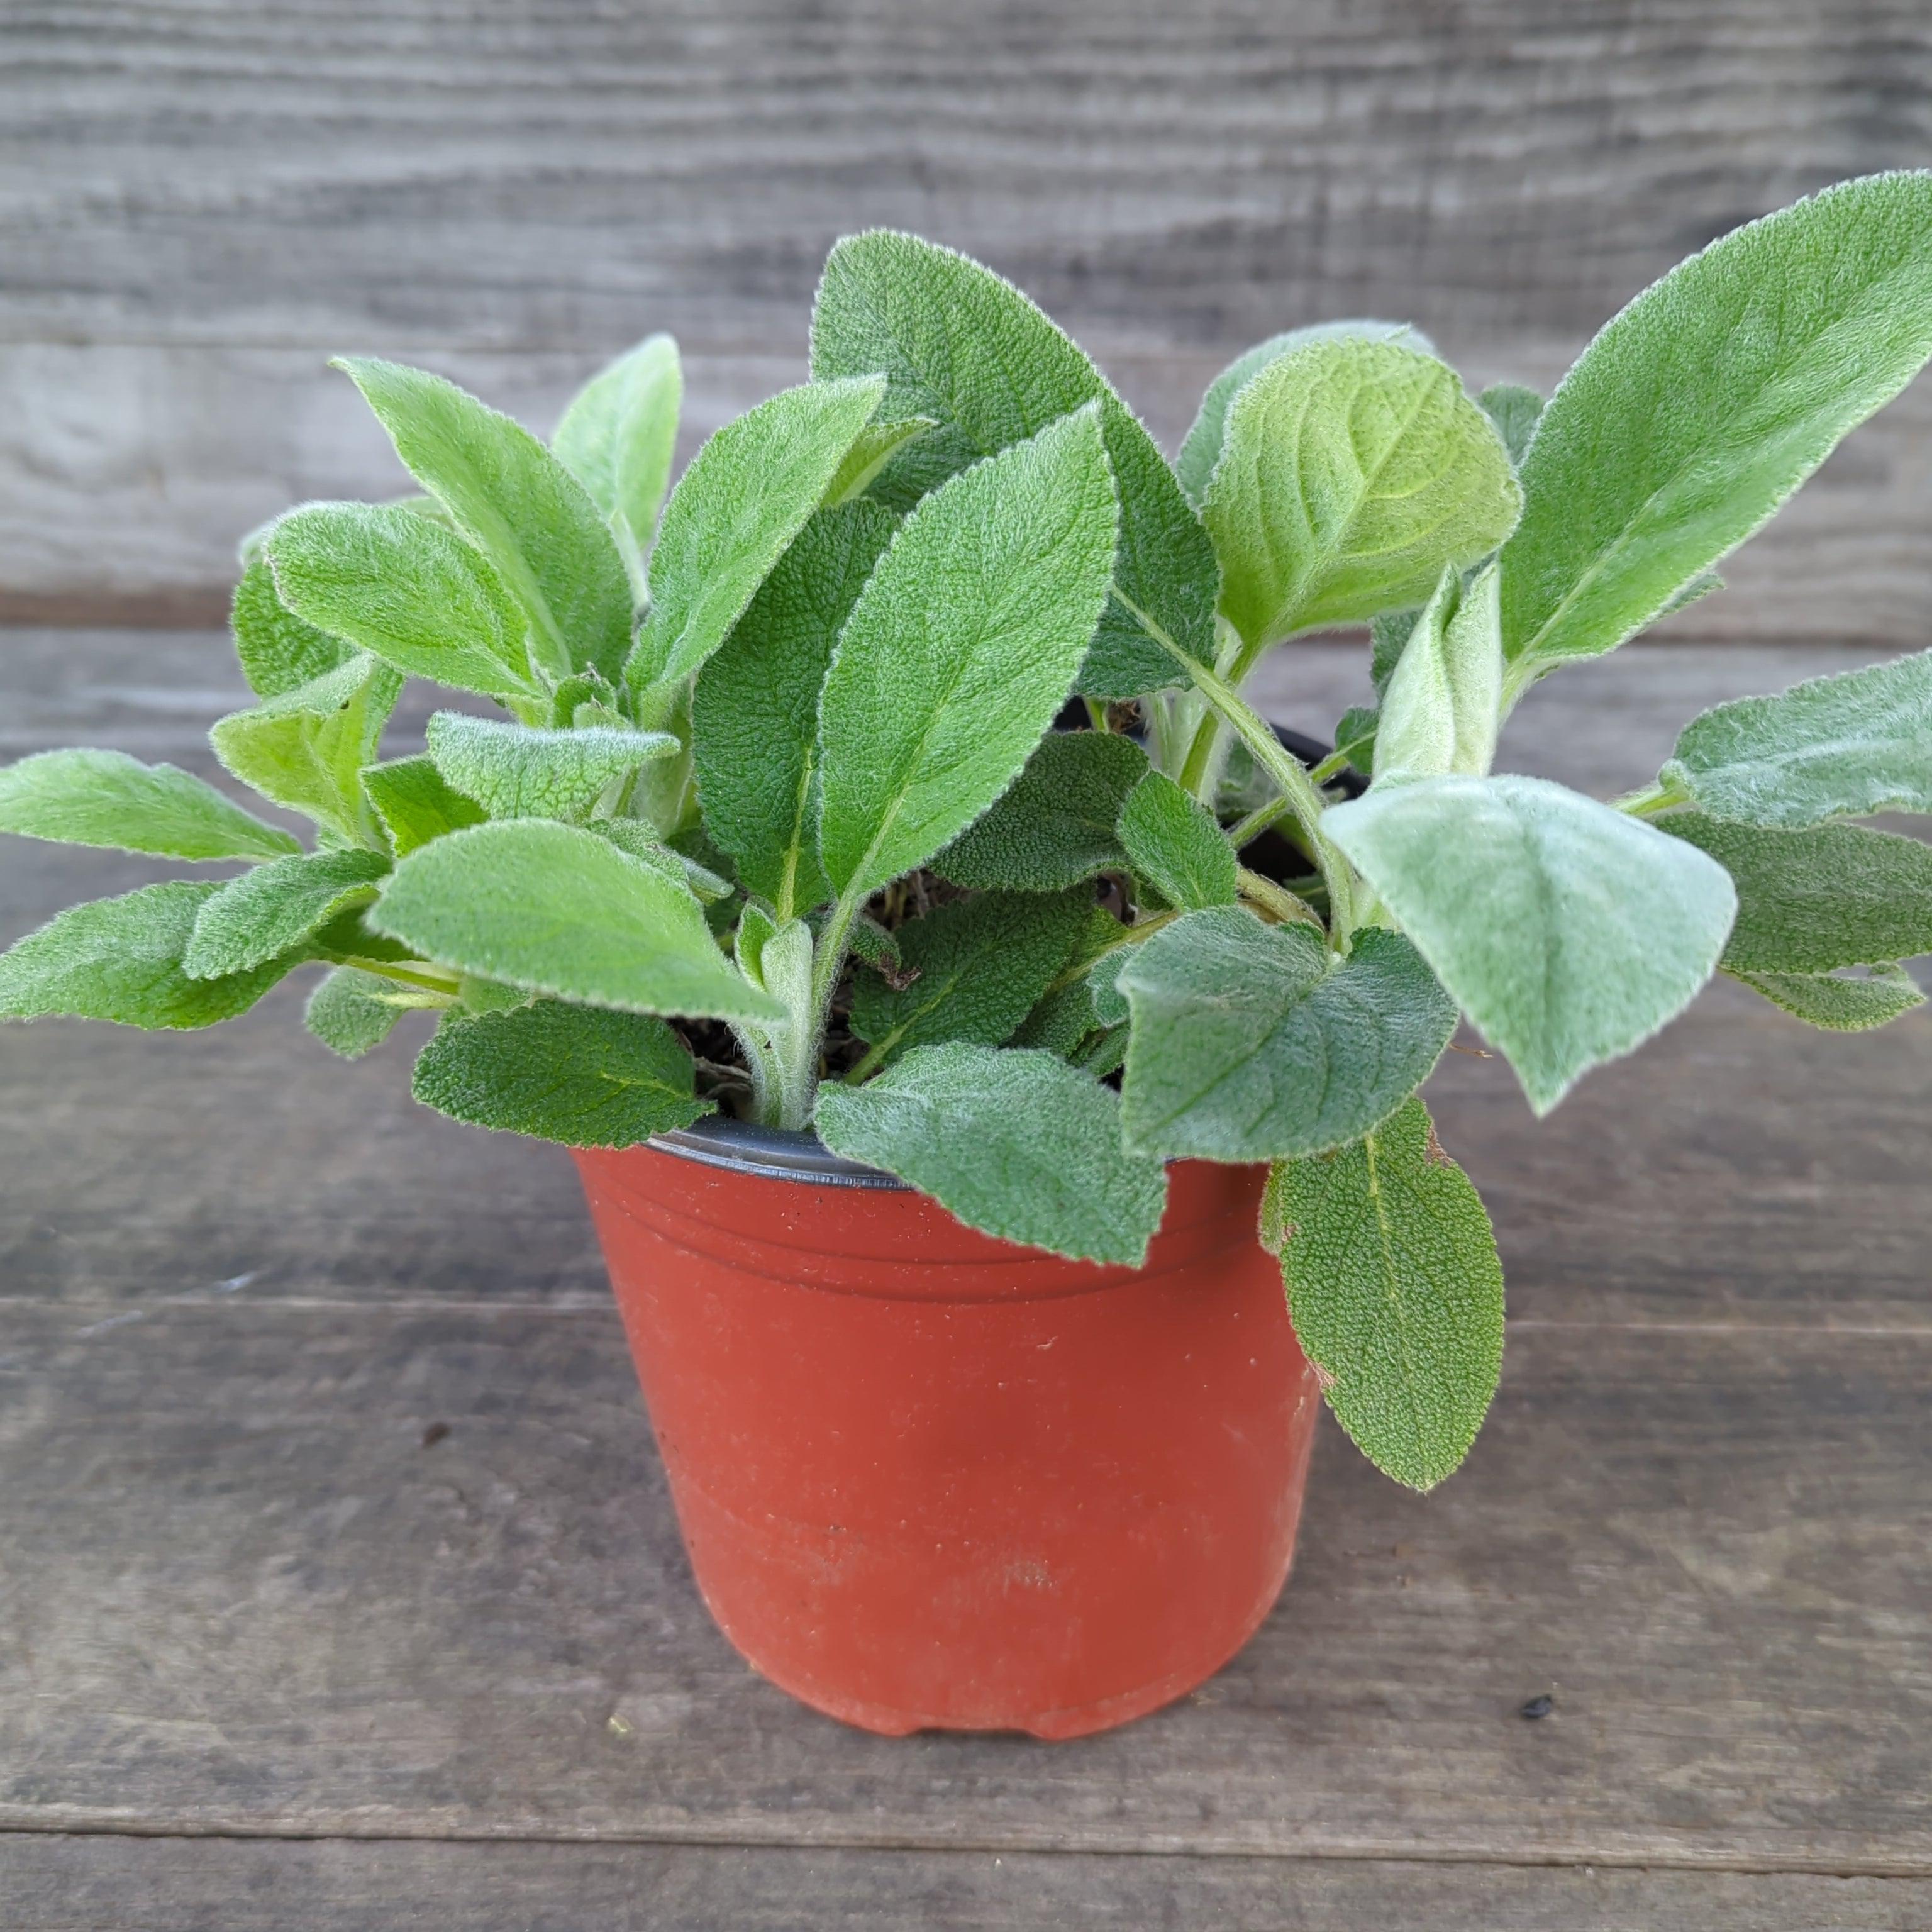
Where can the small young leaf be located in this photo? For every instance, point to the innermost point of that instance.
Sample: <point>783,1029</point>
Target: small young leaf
<point>1516,412</point>
<point>519,505</point>
<point>1389,633</point>
<point>1569,932</point>
<point>1396,1292</point>
<point>960,651</point>
<point>1837,1003</point>
<point>557,1072</point>
<point>351,1012</point>
<point>1253,1042</point>
<point>1175,845</point>
<point>1355,736</point>
<point>1698,409</point>
<point>1835,747</point>
<point>1018,1145</point>
<point>273,909</point>
<point>871,450</point>
<point>1812,901</point>
<point>633,836</point>
<point>121,960</point>
<point>617,438</point>
<point>1444,700</point>
<point>1065,1016</point>
<point>754,713</point>
<point>746,495</point>
<point>981,964</point>
<point>415,803</point>
<point>1055,827</point>
<point>106,798</point>
<point>278,651</point>
<point>556,908</point>
<point>1353,471</point>
<point>513,772</point>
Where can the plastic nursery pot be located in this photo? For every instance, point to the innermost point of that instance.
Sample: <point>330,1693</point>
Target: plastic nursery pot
<point>930,1480</point>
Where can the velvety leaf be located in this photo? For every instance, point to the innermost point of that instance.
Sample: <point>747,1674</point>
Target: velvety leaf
<point>1701,407</point>
<point>1254,1041</point>
<point>1389,633</point>
<point>406,590</point>
<point>278,651</point>
<point>514,773</point>
<point>1516,412</point>
<point>415,803</point>
<point>1444,700</point>
<point>1065,1015</point>
<point>546,538</point>
<point>981,965</point>
<point>556,908</point>
<point>120,959</point>
<point>351,1012</point>
<point>960,651</point>
<point>1018,1145</point>
<point>1832,747</point>
<point>735,509</point>
<point>871,449</point>
<point>1838,1002</point>
<point>573,1074</point>
<point>1175,845</point>
<point>1355,736</point>
<point>1055,827</point>
<point>633,836</point>
<point>617,439</point>
<point>1569,932</point>
<point>106,798</point>
<point>271,909</point>
<point>754,714</point>
<point>1396,1292</point>
<point>1811,900</point>
<point>1352,472</point>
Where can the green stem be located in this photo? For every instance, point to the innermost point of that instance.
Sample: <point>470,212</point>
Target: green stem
<point>1244,831</point>
<point>1332,767</point>
<point>419,974</point>
<point>1264,893</point>
<point>1666,795</point>
<point>1096,713</point>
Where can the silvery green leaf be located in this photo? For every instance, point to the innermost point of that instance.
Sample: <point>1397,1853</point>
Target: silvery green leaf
<point>1254,1041</point>
<point>1201,450</point>
<point>557,909</point>
<point>546,539</point>
<point>306,748</point>
<point>754,713</point>
<point>1174,845</point>
<point>351,1012</point>
<point>271,909</point>
<point>574,1074</point>
<point>1445,698</point>
<point>1569,932</point>
<point>617,438</point>
<point>1832,747</point>
<point>1351,473</point>
<point>86,797</point>
<point>633,836</point>
<point>278,651</point>
<point>121,960</point>
<point>1701,407</point>
<point>1811,900</point>
<point>966,350</point>
<point>1016,1144</point>
<point>1055,827</point>
<point>415,803</point>
<point>960,651</point>
<point>1839,1002</point>
<point>872,449</point>
<point>407,591</point>
<point>1699,587</point>
<point>514,773</point>
<point>1389,632</point>
<point>970,971</point>
<point>735,509</point>
<point>1396,1292</point>
<point>1516,412</point>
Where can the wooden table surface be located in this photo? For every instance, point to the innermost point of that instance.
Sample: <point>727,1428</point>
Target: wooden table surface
<point>275,1652</point>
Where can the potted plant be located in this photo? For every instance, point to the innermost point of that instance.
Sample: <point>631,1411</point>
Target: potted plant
<point>930,1069</point>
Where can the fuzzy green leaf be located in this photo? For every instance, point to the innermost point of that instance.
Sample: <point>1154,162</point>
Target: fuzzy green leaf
<point>121,960</point>
<point>617,439</point>
<point>1253,1042</point>
<point>1355,736</point>
<point>754,714</point>
<point>415,803</point>
<point>106,798</point>
<point>1018,1145</point>
<point>961,648</point>
<point>872,449</point>
<point>513,772</point>
<point>278,651</point>
<point>981,964</point>
<point>1175,845</point>
<point>746,495</point>
<point>352,1012</point>
<point>1055,827</point>
<point>1444,700</point>
<point>1066,1015</point>
<point>1701,407</point>
<point>573,1074</point>
<point>271,909</point>
<point>1515,411</point>
<point>546,538</point>
<point>1832,747</point>
<point>1567,931</point>
<point>406,590</point>
<point>1396,1292</point>
<point>1840,1003</point>
<point>1353,472</point>
<point>557,909</point>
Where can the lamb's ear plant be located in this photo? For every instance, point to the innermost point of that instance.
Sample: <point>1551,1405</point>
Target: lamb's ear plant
<point>764,796</point>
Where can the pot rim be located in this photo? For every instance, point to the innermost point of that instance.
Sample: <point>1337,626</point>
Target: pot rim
<point>776,1153</point>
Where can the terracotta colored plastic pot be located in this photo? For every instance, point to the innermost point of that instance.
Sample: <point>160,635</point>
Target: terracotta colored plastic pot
<point>927,1479</point>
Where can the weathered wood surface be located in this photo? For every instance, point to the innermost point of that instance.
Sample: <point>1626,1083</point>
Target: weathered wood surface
<point>199,203</point>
